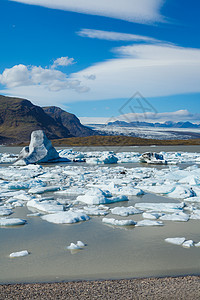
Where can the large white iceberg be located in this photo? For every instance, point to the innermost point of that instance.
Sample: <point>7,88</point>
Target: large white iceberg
<point>40,150</point>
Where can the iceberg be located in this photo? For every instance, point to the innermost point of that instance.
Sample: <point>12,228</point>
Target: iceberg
<point>144,223</point>
<point>152,158</point>
<point>181,217</point>
<point>47,206</point>
<point>125,211</point>
<point>115,222</point>
<point>175,241</point>
<point>11,222</point>
<point>19,254</point>
<point>66,217</point>
<point>188,244</point>
<point>40,150</point>
<point>160,207</point>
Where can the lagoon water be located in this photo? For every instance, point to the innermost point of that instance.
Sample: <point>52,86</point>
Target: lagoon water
<point>110,251</point>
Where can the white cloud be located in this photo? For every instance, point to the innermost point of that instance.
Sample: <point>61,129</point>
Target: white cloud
<point>140,11</point>
<point>175,116</point>
<point>113,36</point>
<point>153,70</point>
<point>51,79</point>
<point>63,61</point>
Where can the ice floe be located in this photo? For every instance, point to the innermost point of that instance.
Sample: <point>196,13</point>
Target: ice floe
<point>176,240</point>
<point>188,244</point>
<point>11,222</point>
<point>125,211</point>
<point>19,254</point>
<point>160,207</point>
<point>48,206</point>
<point>144,223</point>
<point>181,217</point>
<point>79,245</point>
<point>115,222</point>
<point>66,217</point>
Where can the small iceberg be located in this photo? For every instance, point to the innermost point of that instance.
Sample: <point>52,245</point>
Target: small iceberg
<point>19,254</point>
<point>152,158</point>
<point>144,223</point>
<point>66,217</point>
<point>125,211</point>
<point>115,222</point>
<point>175,241</point>
<point>11,222</point>
<point>78,246</point>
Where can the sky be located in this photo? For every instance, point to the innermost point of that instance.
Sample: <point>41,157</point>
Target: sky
<point>104,59</point>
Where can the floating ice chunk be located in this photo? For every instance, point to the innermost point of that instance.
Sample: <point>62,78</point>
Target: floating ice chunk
<point>188,244</point>
<point>109,159</point>
<point>151,216</point>
<point>176,240</point>
<point>42,190</point>
<point>72,191</point>
<point>80,244</point>
<point>181,192</point>
<point>160,207</point>
<point>40,150</point>
<point>95,211</point>
<point>152,158</point>
<point>49,206</point>
<point>181,217</point>
<point>197,244</point>
<point>195,215</point>
<point>115,222</point>
<point>11,222</point>
<point>66,217</point>
<point>26,185</point>
<point>73,246</point>
<point>148,223</point>
<point>125,211</point>
<point>192,199</point>
<point>34,215</point>
<point>5,211</point>
<point>191,180</point>
<point>159,189</point>
<point>19,254</point>
<point>97,196</point>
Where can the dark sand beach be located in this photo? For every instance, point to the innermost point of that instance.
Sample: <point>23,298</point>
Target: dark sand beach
<point>187,287</point>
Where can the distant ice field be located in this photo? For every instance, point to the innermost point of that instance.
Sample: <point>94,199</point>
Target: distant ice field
<point>131,219</point>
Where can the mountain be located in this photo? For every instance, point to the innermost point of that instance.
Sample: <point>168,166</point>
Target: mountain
<point>168,124</point>
<point>69,121</point>
<point>19,117</point>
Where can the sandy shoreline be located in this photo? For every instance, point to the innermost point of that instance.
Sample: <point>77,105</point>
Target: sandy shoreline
<point>187,287</point>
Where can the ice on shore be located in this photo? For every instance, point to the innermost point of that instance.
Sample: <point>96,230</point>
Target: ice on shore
<point>175,241</point>
<point>66,217</point>
<point>125,211</point>
<point>11,222</point>
<point>144,223</point>
<point>19,254</point>
<point>115,222</point>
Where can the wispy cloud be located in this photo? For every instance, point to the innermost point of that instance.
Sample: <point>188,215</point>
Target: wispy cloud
<point>175,116</point>
<point>114,36</point>
<point>140,11</point>
<point>153,70</point>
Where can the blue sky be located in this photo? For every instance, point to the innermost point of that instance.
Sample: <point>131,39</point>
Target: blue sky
<point>89,57</point>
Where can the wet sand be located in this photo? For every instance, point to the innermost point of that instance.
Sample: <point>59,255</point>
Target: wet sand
<point>187,287</point>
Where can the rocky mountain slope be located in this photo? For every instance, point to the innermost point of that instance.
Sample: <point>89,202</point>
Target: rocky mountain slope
<point>69,121</point>
<point>19,117</point>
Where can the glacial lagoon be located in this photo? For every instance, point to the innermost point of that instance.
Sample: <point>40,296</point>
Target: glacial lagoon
<point>110,251</point>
